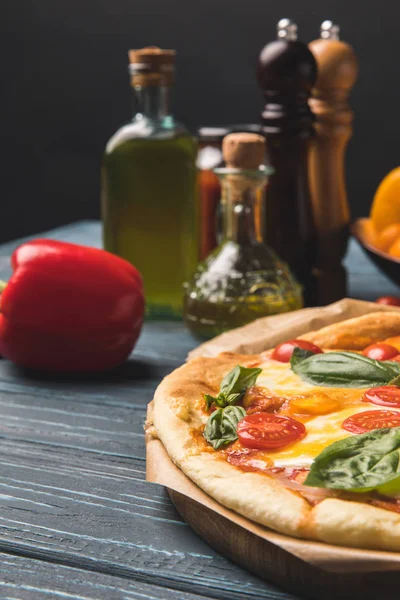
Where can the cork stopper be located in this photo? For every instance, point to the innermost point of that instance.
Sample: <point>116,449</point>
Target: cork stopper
<point>152,66</point>
<point>243,150</point>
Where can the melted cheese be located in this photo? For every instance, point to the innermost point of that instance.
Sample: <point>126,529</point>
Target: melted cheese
<point>278,377</point>
<point>322,430</point>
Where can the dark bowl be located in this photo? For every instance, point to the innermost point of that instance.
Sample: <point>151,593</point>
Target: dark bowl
<point>387,264</point>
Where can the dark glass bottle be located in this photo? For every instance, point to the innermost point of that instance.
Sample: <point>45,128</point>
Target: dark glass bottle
<point>286,73</point>
<point>242,279</point>
<point>149,204</point>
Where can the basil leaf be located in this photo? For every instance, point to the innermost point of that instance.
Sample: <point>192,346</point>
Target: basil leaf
<point>221,401</point>
<point>238,380</point>
<point>345,369</point>
<point>210,400</point>
<point>221,427</point>
<point>233,399</point>
<point>298,355</point>
<point>360,463</point>
<point>395,381</point>
<point>233,387</point>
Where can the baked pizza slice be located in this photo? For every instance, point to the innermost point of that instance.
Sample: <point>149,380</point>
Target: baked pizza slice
<point>303,438</point>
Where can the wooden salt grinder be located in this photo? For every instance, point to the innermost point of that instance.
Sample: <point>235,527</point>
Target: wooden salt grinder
<point>337,73</point>
<point>286,73</point>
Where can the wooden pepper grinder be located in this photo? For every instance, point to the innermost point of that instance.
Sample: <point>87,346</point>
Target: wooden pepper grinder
<point>286,73</point>
<point>337,73</point>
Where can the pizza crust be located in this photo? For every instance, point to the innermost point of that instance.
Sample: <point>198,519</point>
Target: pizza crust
<point>355,524</point>
<point>357,333</point>
<point>263,499</point>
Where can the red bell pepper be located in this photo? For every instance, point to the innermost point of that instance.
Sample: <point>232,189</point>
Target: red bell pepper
<point>69,308</point>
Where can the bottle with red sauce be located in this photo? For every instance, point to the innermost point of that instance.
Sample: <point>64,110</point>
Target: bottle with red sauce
<point>209,158</point>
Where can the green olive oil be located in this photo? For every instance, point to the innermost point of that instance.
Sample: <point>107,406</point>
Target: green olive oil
<point>242,279</point>
<point>149,203</point>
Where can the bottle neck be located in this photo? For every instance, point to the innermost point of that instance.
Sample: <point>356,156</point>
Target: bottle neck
<point>152,101</point>
<point>242,207</point>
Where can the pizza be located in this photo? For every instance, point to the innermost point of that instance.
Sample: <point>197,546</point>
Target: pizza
<point>303,438</point>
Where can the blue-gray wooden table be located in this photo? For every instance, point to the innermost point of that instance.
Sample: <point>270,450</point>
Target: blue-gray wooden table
<point>77,518</point>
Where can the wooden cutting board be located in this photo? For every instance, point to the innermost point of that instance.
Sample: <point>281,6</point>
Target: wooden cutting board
<point>313,570</point>
<point>273,563</point>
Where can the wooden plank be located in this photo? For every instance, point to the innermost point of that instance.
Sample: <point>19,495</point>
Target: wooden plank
<point>150,361</point>
<point>73,423</point>
<point>87,233</point>
<point>29,579</point>
<point>96,512</point>
<point>365,279</point>
<point>72,485</point>
<point>104,412</point>
<point>94,478</point>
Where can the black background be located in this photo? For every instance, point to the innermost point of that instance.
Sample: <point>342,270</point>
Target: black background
<point>65,88</point>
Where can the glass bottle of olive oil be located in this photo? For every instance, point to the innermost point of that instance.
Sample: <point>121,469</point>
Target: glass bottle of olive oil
<point>242,279</point>
<point>149,205</point>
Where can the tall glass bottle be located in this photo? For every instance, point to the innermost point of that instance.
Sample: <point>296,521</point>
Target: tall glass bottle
<point>149,205</point>
<point>242,279</point>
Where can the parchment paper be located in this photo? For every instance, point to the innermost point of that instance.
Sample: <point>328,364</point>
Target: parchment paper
<point>267,332</point>
<point>255,337</point>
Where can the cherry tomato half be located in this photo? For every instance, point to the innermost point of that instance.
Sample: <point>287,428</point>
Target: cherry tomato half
<point>380,351</point>
<point>266,431</point>
<point>371,419</point>
<point>284,351</point>
<point>385,395</point>
<point>389,300</point>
